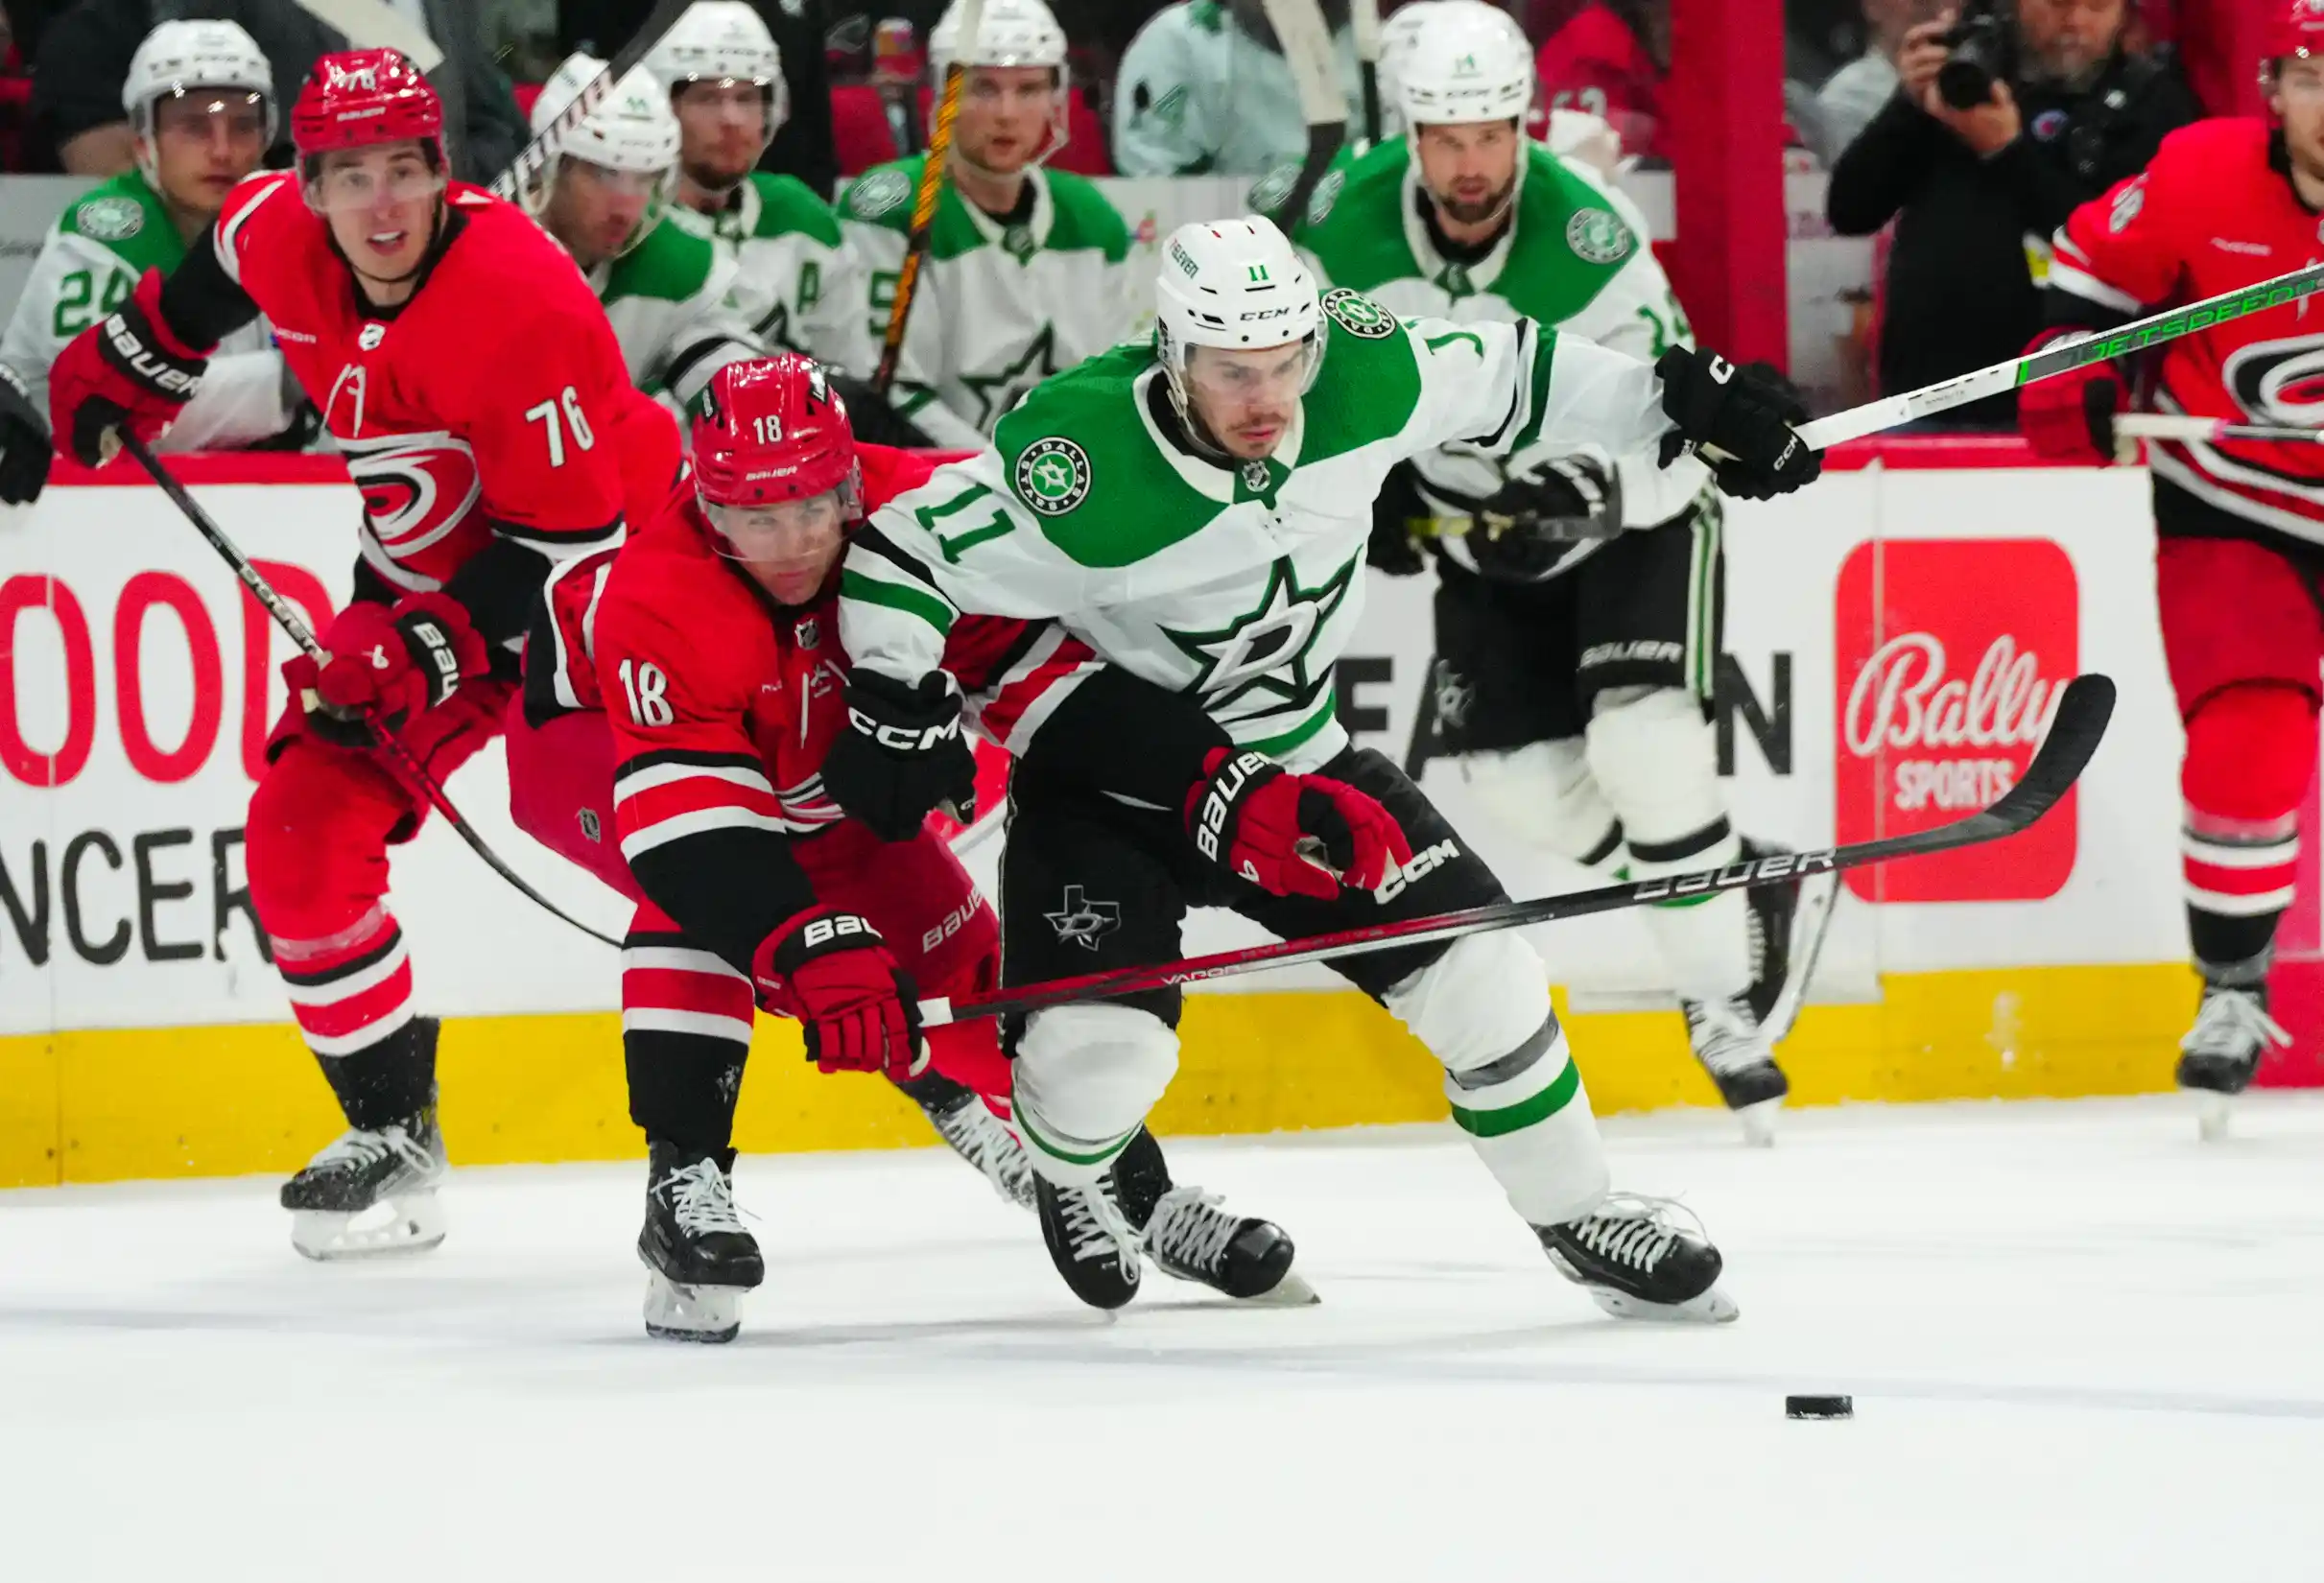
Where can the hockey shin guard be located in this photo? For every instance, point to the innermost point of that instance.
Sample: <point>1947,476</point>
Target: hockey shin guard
<point>2251,749</point>
<point>1085,1077</point>
<point>685,1036</point>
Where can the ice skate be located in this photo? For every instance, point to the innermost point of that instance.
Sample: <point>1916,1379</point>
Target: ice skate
<point>699,1258</point>
<point>1787,922</point>
<point>1733,1049</point>
<point>370,1193</point>
<point>1636,1259</point>
<point>2221,1052</point>
<point>1093,1246</point>
<point>977,1136</point>
<point>1190,1236</point>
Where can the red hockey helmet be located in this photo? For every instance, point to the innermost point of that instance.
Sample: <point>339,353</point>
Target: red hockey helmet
<point>2294,27</point>
<point>358,98</point>
<point>773,430</point>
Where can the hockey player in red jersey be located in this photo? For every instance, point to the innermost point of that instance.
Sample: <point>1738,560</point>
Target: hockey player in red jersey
<point>2239,526</point>
<point>681,698</point>
<point>475,389</point>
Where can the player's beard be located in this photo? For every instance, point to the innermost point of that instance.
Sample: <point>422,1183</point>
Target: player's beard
<point>1480,211</point>
<point>718,181</point>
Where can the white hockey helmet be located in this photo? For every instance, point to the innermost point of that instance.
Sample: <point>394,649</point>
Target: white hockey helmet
<point>1233,283</point>
<point>1470,63</point>
<point>632,129</point>
<point>724,42</point>
<point>178,58</point>
<point>1011,33</point>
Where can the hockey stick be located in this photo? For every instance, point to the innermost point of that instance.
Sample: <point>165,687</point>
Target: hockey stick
<point>290,621</point>
<point>374,24</point>
<point>2061,358</point>
<point>2075,733</point>
<point>533,157</point>
<point>1363,19</point>
<point>1306,43</point>
<point>2181,427</point>
<point>924,200</point>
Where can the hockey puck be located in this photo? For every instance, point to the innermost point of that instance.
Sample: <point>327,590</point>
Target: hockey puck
<point>1819,1406</point>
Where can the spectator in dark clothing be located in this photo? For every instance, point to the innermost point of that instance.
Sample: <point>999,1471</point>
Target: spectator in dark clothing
<point>84,57</point>
<point>804,147</point>
<point>1976,194</point>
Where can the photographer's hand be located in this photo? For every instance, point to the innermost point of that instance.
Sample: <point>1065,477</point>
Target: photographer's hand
<point>1917,59</point>
<point>1988,129</point>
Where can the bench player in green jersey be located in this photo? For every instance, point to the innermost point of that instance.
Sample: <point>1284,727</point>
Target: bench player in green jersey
<point>1574,674</point>
<point>1195,510</point>
<point>1026,271</point>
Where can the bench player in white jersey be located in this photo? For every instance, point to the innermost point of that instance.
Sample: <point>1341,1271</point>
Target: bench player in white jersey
<point>1576,638</point>
<point>800,287</point>
<point>1195,512</point>
<point>1026,272</point>
<point>669,292</point>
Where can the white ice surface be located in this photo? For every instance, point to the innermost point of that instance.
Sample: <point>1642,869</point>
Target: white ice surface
<point>2081,1344</point>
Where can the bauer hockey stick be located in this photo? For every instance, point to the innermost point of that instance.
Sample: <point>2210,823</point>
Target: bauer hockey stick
<point>924,198</point>
<point>1363,21</point>
<point>2061,358</point>
<point>2075,733</point>
<point>290,621</point>
<point>533,157</point>
<point>1306,42</point>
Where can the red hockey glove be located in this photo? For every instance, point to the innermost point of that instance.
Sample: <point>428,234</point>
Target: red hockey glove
<point>387,664</point>
<point>832,971</point>
<point>1262,823</point>
<point>125,371</point>
<point>2070,418</point>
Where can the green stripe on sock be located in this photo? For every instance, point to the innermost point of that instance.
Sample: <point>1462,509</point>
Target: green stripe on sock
<point>1033,1137</point>
<point>1525,1113</point>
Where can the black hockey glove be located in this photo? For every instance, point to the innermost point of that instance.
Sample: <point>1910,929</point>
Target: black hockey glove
<point>1746,415</point>
<point>24,443</point>
<point>1528,528</point>
<point>1395,510</point>
<point>903,756</point>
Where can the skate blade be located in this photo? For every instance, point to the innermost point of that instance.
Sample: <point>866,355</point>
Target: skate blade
<point>691,1314</point>
<point>2210,1114</point>
<point>391,1228</point>
<point>1291,1293</point>
<point>1711,1308</point>
<point>1759,1123</point>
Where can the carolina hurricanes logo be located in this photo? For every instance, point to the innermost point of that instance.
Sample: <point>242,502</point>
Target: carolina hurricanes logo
<point>415,487</point>
<point>2279,381</point>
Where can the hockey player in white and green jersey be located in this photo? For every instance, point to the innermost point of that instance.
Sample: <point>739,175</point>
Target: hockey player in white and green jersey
<point>202,101</point>
<point>1026,272</point>
<point>799,286</point>
<point>669,292</point>
<point>1575,665</point>
<point>1196,512</point>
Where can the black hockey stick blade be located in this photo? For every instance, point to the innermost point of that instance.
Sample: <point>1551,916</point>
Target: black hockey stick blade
<point>2076,730</point>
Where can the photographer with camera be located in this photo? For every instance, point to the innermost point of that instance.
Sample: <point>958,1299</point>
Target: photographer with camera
<point>2006,117</point>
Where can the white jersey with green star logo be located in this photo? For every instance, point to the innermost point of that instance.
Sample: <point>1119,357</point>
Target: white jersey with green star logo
<point>89,263</point>
<point>674,308</point>
<point>799,286</point>
<point>1000,306</point>
<point>1241,584</point>
<point>1576,256</point>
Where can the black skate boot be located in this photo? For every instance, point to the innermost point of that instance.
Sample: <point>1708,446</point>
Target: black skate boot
<point>699,1259</point>
<point>1094,1247</point>
<point>974,1134</point>
<point>2221,1052</point>
<point>1189,1236</point>
<point>1731,1048</point>
<point>1637,1261</point>
<point>1787,922</point>
<point>371,1192</point>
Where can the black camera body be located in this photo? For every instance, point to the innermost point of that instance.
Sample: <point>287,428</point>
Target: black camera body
<point>1984,51</point>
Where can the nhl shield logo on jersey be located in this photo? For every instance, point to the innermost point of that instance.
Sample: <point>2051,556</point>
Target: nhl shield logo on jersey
<point>1053,476</point>
<point>1358,314</point>
<point>109,219</point>
<point>1596,235</point>
<point>878,192</point>
<point>415,487</point>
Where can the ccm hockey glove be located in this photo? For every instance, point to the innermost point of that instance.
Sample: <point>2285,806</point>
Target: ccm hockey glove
<point>902,756</point>
<point>387,665</point>
<point>833,972</point>
<point>2070,417</point>
<point>128,370</point>
<point>1745,414</point>
<point>1290,835</point>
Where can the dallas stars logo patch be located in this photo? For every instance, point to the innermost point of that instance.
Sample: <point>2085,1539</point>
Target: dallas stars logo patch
<point>1053,476</point>
<point>1598,236</point>
<point>1269,647</point>
<point>1358,314</point>
<point>1083,922</point>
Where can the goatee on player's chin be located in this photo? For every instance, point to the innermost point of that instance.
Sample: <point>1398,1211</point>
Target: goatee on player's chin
<point>1475,211</point>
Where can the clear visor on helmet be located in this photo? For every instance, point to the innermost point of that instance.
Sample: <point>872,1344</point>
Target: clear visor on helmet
<point>791,532</point>
<point>373,177</point>
<point>1250,375</point>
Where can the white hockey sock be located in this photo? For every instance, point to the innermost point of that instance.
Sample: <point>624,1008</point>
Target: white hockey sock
<point>1085,1076</point>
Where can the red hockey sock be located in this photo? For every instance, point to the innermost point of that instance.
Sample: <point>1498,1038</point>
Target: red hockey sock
<point>2251,749</point>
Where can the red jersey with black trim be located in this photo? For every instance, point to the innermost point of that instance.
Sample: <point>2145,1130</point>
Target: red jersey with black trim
<point>721,703</point>
<point>494,401</point>
<point>2213,212</point>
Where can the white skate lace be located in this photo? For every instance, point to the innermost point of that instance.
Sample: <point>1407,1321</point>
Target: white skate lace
<point>2231,1024</point>
<point>1093,1224</point>
<point>1633,1229</point>
<point>1190,1230</point>
<point>358,1150</point>
<point>978,1137</point>
<point>1726,1036</point>
<point>701,1199</point>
